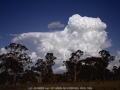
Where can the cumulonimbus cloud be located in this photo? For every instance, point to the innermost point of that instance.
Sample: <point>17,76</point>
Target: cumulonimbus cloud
<point>85,33</point>
<point>56,24</point>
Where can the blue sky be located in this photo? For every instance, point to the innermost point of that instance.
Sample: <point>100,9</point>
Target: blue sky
<point>22,16</point>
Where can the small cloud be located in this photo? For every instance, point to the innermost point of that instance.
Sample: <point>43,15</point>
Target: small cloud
<point>56,24</point>
<point>0,37</point>
<point>14,35</point>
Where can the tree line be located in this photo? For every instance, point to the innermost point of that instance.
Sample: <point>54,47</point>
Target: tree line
<point>15,67</point>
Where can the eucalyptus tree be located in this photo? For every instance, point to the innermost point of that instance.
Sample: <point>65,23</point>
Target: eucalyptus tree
<point>72,63</point>
<point>107,58</point>
<point>45,67</point>
<point>116,72</point>
<point>14,59</point>
<point>40,67</point>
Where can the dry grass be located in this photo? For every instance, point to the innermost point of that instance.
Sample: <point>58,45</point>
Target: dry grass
<point>96,85</point>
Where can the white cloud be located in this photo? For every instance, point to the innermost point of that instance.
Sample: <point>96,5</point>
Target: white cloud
<point>56,24</point>
<point>116,62</point>
<point>34,56</point>
<point>0,37</point>
<point>85,33</point>
<point>2,50</point>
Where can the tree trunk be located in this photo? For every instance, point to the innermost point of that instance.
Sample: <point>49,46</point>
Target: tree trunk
<point>75,73</point>
<point>15,78</point>
<point>104,74</point>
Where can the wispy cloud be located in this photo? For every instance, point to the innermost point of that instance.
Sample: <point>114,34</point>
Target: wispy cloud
<point>56,24</point>
<point>0,37</point>
<point>14,35</point>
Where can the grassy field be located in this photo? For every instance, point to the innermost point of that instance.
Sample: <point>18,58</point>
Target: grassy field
<point>96,85</point>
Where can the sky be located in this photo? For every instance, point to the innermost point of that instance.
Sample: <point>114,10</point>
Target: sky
<point>61,27</point>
